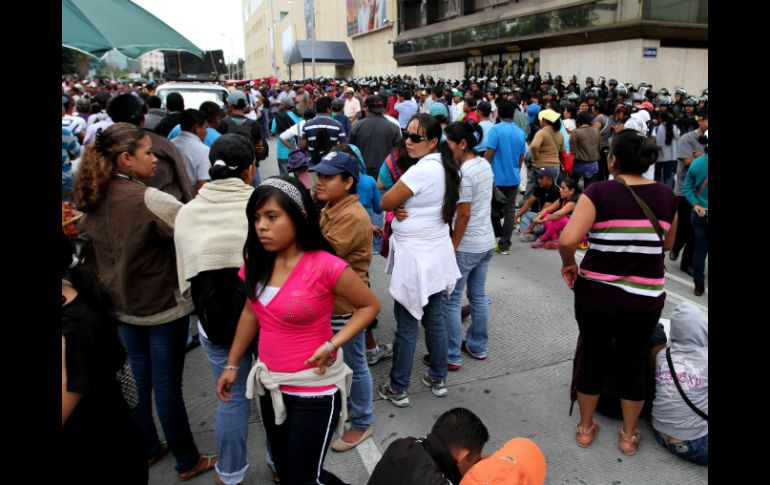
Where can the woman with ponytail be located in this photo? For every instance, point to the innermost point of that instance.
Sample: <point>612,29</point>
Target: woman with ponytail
<point>132,229</point>
<point>421,258</point>
<point>474,243</point>
<point>619,287</point>
<point>209,236</point>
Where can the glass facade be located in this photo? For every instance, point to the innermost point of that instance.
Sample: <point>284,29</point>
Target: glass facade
<point>590,15</point>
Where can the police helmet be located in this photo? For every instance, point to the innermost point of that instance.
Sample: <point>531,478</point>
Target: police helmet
<point>691,101</point>
<point>589,79</point>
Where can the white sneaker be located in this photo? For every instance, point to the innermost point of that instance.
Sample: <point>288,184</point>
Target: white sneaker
<point>382,351</point>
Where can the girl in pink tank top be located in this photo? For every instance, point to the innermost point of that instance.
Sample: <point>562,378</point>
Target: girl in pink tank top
<point>291,279</point>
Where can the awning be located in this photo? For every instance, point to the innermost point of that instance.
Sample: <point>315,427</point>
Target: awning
<point>325,52</point>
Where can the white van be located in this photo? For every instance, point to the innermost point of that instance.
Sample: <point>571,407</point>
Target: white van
<point>193,93</point>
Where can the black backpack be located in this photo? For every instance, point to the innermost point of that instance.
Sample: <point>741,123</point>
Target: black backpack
<point>248,128</point>
<point>321,145</point>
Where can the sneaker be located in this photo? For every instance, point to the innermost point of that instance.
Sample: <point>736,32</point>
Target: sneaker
<point>437,386</point>
<point>504,252</point>
<point>552,245</point>
<point>464,348</point>
<point>527,237</point>
<point>452,367</point>
<point>537,244</point>
<point>382,351</point>
<point>399,399</point>
<point>673,255</point>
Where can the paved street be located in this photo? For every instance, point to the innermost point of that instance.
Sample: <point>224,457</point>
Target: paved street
<point>522,389</point>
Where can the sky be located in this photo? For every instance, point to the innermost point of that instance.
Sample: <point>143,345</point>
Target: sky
<point>209,24</point>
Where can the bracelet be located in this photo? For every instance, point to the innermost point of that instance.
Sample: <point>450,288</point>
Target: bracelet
<point>330,347</point>
<point>231,367</point>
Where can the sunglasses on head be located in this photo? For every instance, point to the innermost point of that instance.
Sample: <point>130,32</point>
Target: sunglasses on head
<point>415,138</point>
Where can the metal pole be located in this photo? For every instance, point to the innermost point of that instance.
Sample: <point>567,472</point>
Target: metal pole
<point>312,48</point>
<point>272,38</point>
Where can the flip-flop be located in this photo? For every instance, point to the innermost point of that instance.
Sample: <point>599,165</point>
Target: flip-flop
<point>205,463</point>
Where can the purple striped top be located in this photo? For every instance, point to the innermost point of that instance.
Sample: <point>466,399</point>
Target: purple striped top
<point>624,263</point>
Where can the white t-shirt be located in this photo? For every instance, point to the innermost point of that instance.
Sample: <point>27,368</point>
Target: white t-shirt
<point>426,181</point>
<point>352,106</point>
<point>476,187</point>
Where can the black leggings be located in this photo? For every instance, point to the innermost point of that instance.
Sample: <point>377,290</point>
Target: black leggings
<point>599,325</point>
<point>299,445</point>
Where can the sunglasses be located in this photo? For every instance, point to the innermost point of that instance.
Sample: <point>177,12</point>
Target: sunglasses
<point>415,138</point>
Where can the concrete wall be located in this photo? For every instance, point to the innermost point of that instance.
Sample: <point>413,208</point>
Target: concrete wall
<point>623,60</point>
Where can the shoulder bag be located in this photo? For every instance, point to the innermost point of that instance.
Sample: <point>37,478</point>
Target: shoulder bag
<point>679,387</point>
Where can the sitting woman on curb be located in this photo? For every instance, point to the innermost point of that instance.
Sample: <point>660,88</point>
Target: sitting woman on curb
<point>556,221</point>
<point>619,287</point>
<point>676,425</point>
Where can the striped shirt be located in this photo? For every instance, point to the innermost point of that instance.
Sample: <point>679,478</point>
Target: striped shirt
<point>333,127</point>
<point>624,263</point>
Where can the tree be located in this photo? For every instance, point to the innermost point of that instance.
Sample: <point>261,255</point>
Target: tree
<point>71,60</point>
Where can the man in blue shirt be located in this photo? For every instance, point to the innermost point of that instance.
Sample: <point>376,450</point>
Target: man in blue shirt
<point>506,146</point>
<point>406,108</point>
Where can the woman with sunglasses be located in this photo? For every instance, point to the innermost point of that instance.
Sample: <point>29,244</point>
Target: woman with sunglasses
<point>421,258</point>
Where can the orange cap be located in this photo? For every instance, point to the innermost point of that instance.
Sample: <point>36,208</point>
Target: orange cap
<point>518,462</point>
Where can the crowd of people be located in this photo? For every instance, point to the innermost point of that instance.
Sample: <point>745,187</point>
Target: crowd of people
<point>435,175</point>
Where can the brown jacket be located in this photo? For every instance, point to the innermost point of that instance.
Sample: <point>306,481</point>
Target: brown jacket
<point>348,229</point>
<point>170,176</point>
<point>584,144</point>
<point>132,230</point>
<point>544,152</point>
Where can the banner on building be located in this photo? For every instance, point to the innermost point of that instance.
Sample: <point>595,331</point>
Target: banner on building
<point>287,43</point>
<point>366,15</point>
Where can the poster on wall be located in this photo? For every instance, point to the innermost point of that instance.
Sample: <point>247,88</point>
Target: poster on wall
<point>366,15</point>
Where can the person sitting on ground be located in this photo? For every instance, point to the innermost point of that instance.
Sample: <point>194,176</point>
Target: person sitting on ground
<point>452,447</point>
<point>569,193</point>
<point>544,199</point>
<point>678,427</point>
<point>518,462</point>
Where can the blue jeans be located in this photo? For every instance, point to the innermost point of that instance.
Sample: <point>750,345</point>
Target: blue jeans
<point>233,416</point>
<point>257,179</point>
<point>360,404</point>
<point>473,267</point>
<point>157,358</point>
<point>664,172</point>
<point>405,341</point>
<point>526,221</point>
<point>695,451</point>
<point>700,227</point>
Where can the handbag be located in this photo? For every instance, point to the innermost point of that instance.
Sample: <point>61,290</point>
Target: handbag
<point>566,159</point>
<point>298,158</point>
<point>679,387</point>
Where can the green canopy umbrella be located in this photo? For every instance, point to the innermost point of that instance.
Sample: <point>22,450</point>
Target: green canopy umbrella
<point>98,26</point>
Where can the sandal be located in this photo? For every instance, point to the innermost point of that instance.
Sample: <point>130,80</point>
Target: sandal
<point>629,443</point>
<point>162,450</point>
<point>205,463</point>
<point>585,436</point>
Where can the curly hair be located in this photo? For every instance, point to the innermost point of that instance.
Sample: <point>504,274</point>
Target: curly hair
<point>100,161</point>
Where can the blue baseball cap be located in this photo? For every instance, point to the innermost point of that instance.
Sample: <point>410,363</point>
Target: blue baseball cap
<point>334,163</point>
